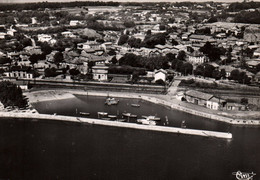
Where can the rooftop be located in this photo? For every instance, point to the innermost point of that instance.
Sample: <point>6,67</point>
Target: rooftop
<point>199,94</point>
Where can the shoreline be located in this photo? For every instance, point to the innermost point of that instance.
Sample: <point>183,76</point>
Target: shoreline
<point>66,94</point>
<point>89,121</point>
<point>232,121</point>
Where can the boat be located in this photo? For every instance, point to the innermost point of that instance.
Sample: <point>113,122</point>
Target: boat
<point>152,118</point>
<point>102,113</point>
<point>183,124</point>
<point>121,120</point>
<point>106,119</point>
<point>135,105</point>
<point>84,113</point>
<point>146,122</point>
<point>111,101</point>
<point>129,115</point>
<point>112,116</point>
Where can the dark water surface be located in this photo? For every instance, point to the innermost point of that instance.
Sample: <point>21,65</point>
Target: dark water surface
<point>31,149</point>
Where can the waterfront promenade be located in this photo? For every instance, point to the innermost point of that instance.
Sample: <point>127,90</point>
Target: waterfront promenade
<point>89,121</point>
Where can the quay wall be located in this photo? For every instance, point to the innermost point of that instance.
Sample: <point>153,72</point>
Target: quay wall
<point>233,121</point>
<point>91,85</point>
<point>204,133</point>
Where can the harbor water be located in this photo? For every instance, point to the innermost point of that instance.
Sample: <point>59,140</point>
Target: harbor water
<point>36,149</point>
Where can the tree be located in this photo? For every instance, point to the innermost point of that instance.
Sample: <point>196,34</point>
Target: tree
<point>135,76</point>
<point>129,24</point>
<point>186,68</point>
<point>151,40</point>
<point>216,74</point>
<point>4,60</point>
<point>33,59</point>
<point>181,55</point>
<point>234,75</point>
<point>244,101</point>
<point>123,39</point>
<point>174,42</point>
<point>46,48</point>
<point>149,32</point>
<point>205,70</point>
<point>257,67</point>
<point>129,59</point>
<point>50,72</point>
<point>74,72</point>
<point>170,56</point>
<point>114,60</point>
<point>134,42</point>
<point>223,73</point>
<point>58,58</point>
<point>178,66</point>
<point>112,52</point>
<point>160,82</point>
<point>162,27</point>
<point>11,95</point>
<point>211,51</point>
<point>212,19</point>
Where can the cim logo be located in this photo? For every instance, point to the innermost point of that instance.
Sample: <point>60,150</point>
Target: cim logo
<point>244,175</point>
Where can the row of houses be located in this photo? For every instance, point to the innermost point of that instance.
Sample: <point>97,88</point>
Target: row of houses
<point>211,101</point>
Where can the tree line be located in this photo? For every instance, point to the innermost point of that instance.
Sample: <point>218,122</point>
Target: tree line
<point>236,6</point>
<point>54,5</point>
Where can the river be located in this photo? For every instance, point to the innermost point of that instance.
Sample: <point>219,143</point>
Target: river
<point>32,149</point>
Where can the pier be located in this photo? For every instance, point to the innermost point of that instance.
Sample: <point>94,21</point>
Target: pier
<point>204,133</point>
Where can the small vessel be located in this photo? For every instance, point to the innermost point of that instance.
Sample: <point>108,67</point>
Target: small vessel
<point>146,122</point>
<point>129,115</point>
<point>183,124</point>
<point>112,116</point>
<point>111,101</point>
<point>102,113</point>
<point>84,113</point>
<point>152,118</point>
<point>121,120</point>
<point>106,119</point>
<point>135,105</point>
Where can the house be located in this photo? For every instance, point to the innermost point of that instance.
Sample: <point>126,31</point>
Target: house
<point>34,20</point>
<point>197,97</point>
<point>46,38</point>
<point>194,38</point>
<point>185,37</point>
<point>257,77</point>
<point>253,64</point>
<point>68,34</point>
<point>11,31</point>
<point>100,72</point>
<point>2,35</point>
<point>24,72</point>
<point>204,99</point>
<point>235,106</point>
<point>197,57</point>
<point>215,103</point>
<point>160,74</point>
<point>75,22</point>
<point>23,85</point>
<point>228,69</point>
<point>257,52</point>
<point>252,35</point>
<point>33,50</point>
<point>50,57</point>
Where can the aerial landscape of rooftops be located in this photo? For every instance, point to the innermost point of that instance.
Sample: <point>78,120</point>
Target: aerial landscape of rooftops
<point>181,70</point>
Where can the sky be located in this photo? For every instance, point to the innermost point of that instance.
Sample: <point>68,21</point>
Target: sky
<point>26,1</point>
